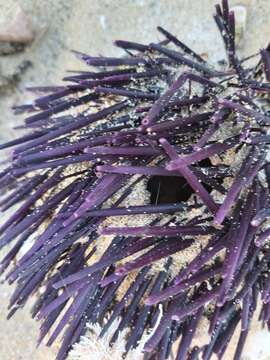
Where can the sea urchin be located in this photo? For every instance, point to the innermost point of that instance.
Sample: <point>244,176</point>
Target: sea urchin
<point>141,196</point>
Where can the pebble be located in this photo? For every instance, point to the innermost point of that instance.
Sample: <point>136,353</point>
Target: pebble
<point>16,28</point>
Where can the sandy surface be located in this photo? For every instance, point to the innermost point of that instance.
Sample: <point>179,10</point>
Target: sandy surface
<point>90,26</point>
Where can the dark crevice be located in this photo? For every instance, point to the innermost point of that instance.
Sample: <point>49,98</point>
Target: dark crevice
<point>172,189</point>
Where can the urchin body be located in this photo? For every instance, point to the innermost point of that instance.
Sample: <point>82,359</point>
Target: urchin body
<point>143,192</point>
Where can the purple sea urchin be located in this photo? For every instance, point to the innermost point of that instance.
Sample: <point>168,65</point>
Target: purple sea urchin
<point>160,119</point>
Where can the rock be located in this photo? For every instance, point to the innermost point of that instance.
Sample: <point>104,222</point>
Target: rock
<point>17,29</point>
<point>10,81</point>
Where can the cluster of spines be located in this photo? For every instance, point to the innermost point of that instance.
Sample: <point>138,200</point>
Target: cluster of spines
<point>145,134</point>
